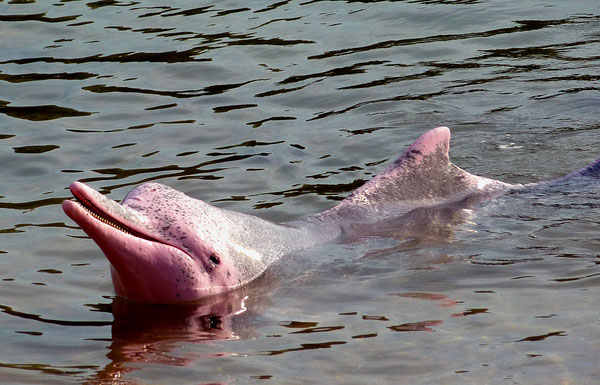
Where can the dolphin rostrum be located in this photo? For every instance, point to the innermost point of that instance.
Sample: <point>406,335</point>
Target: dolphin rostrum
<point>164,246</point>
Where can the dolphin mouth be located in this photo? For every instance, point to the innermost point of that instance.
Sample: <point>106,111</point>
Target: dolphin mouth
<point>98,213</point>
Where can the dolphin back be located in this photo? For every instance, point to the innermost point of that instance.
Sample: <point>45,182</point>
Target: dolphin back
<point>591,170</point>
<point>422,176</point>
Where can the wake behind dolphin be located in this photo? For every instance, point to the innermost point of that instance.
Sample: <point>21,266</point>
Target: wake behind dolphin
<point>164,246</point>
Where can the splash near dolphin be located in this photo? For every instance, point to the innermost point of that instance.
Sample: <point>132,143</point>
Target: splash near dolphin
<point>164,246</point>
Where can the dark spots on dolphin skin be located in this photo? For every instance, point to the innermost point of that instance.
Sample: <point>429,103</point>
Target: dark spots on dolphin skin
<point>412,154</point>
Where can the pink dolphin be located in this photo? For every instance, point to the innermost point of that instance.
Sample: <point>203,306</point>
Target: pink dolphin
<point>164,246</point>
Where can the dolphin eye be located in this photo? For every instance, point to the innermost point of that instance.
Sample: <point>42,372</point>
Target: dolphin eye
<point>214,259</point>
<point>211,322</point>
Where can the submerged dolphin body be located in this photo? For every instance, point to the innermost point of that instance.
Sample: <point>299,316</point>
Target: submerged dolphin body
<point>164,246</point>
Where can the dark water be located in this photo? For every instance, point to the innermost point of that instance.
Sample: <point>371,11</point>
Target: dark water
<point>279,109</point>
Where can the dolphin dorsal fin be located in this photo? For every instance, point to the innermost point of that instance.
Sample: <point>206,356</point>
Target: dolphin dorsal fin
<point>422,176</point>
<point>433,141</point>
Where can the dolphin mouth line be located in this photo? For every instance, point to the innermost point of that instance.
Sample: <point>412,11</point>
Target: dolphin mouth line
<point>101,216</point>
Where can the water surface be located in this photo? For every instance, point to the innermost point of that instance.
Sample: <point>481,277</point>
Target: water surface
<point>280,109</point>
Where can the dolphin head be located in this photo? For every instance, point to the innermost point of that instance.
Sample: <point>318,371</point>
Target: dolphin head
<point>164,246</point>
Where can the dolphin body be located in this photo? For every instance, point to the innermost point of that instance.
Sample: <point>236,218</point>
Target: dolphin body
<point>164,246</point>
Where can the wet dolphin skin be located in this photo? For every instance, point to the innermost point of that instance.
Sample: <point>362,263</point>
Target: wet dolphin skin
<point>164,246</point>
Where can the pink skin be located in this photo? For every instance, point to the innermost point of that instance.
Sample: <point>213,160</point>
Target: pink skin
<point>144,266</point>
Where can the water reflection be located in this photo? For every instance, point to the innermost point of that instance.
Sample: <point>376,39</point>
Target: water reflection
<point>155,334</point>
<point>39,113</point>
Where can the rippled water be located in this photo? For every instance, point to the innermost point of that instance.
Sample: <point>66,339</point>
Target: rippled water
<point>279,109</point>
